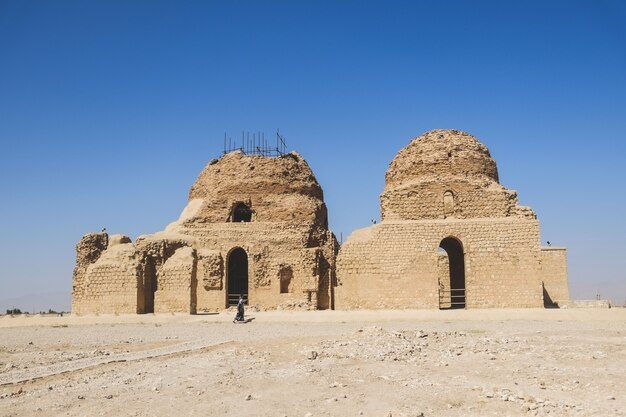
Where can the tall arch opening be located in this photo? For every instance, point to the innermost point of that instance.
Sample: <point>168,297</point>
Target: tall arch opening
<point>452,281</point>
<point>237,279</point>
<point>241,213</point>
<point>149,286</point>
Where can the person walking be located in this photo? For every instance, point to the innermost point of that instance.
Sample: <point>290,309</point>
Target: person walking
<point>239,316</point>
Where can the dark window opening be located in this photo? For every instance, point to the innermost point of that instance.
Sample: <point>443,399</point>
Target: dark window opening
<point>242,213</point>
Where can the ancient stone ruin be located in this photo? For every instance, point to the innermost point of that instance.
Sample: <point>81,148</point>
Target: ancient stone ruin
<point>450,237</point>
<point>255,225</point>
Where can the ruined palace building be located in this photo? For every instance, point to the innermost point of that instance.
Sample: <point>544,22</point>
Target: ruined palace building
<point>450,236</point>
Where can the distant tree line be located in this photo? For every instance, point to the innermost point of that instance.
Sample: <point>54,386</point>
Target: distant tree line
<point>16,311</point>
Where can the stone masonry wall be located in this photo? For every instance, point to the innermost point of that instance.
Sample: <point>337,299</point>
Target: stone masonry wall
<point>189,279</point>
<point>113,283</point>
<point>554,274</point>
<point>271,248</point>
<point>443,278</point>
<point>88,250</point>
<point>426,201</point>
<point>395,264</point>
<point>176,283</point>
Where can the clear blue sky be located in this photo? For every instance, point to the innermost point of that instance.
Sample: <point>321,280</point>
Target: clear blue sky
<point>110,109</point>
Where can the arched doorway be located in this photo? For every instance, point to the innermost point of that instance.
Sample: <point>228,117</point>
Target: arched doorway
<point>149,285</point>
<point>237,276</point>
<point>452,290</point>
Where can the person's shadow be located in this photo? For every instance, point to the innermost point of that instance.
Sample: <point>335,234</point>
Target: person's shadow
<point>248,320</point>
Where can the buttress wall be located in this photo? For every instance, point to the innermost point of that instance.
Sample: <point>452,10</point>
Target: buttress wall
<point>554,276</point>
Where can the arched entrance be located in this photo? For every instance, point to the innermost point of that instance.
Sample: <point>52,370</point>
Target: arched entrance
<point>149,285</point>
<point>452,289</point>
<point>237,278</point>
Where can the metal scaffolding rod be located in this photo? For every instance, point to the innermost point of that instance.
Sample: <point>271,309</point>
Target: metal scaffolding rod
<point>255,145</point>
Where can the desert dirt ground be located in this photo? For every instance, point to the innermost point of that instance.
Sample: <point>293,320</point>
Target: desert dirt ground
<point>324,363</point>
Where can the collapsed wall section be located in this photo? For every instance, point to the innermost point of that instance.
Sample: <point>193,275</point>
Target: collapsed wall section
<point>153,275</point>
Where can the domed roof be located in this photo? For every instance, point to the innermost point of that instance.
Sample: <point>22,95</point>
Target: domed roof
<point>238,173</point>
<point>273,188</point>
<point>441,154</point>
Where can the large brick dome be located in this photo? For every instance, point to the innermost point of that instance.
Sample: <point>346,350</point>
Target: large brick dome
<point>441,153</point>
<point>274,189</point>
<point>445,173</point>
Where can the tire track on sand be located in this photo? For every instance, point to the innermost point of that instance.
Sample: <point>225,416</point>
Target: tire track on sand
<point>47,371</point>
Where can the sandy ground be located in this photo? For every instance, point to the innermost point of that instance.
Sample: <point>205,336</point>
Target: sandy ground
<point>329,363</point>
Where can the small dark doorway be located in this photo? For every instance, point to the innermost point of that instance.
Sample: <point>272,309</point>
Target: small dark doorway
<point>149,285</point>
<point>452,295</point>
<point>237,276</point>
<point>242,213</point>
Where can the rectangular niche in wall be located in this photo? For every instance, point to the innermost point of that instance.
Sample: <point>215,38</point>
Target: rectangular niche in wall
<point>285,274</point>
